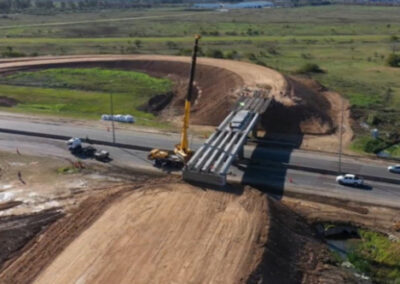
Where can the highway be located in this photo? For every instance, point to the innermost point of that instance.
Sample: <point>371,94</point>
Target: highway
<point>262,168</point>
<point>262,155</point>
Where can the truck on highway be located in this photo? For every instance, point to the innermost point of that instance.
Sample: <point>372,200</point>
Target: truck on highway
<point>75,147</point>
<point>239,120</point>
<point>349,179</point>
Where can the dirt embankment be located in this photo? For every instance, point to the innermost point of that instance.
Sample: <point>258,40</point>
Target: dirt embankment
<point>303,112</point>
<point>16,231</point>
<point>175,233</point>
<point>170,234</point>
<point>300,107</point>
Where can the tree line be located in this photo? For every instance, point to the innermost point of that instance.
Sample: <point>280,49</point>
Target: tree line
<point>7,6</point>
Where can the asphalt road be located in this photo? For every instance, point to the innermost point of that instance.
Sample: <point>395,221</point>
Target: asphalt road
<point>261,169</point>
<point>261,155</point>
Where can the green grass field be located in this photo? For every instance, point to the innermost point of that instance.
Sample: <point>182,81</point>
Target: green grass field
<point>378,257</point>
<point>350,43</point>
<point>84,93</point>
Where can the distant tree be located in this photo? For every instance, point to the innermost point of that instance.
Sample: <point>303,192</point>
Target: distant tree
<point>251,56</point>
<point>233,54</point>
<point>171,45</point>
<point>44,4</point>
<point>138,43</point>
<point>393,60</point>
<point>72,5</point>
<point>5,5</point>
<point>310,68</point>
<point>11,53</point>
<point>375,146</point>
<point>394,38</point>
<point>272,50</point>
<point>22,4</point>
<point>215,53</point>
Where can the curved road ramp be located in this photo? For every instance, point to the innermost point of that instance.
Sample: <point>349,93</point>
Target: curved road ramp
<point>210,164</point>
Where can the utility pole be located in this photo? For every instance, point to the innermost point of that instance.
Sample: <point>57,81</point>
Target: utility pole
<point>341,138</point>
<point>112,117</point>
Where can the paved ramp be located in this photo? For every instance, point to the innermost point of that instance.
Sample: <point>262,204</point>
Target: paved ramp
<point>210,164</point>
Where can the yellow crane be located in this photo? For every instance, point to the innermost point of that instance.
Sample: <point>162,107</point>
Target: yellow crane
<point>182,153</point>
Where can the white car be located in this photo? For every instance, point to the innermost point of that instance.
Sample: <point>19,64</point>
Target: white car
<point>394,169</point>
<point>349,179</point>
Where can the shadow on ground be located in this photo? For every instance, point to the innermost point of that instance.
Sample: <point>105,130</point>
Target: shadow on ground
<point>264,167</point>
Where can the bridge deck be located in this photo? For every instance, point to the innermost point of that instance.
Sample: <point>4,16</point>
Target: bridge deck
<point>211,162</point>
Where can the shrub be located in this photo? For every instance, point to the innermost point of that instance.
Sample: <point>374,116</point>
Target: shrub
<point>393,60</point>
<point>375,146</point>
<point>310,68</point>
<point>272,50</point>
<point>215,53</point>
<point>251,56</point>
<point>11,53</point>
<point>185,51</point>
<point>233,54</point>
<point>171,45</point>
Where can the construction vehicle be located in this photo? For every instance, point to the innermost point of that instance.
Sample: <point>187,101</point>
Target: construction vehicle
<point>178,157</point>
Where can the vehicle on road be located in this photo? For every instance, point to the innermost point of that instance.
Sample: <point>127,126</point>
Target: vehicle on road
<point>88,151</point>
<point>102,155</point>
<point>74,144</point>
<point>239,119</point>
<point>76,148</point>
<point>165,158</point>
<point>394,169</point>
<point>349,179</point>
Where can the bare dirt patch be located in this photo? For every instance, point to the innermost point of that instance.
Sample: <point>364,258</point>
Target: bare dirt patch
<point>165,231</point>
<point>335,211</point>
<point>292,253</point>
<point>163,234</point>
<point>7,102</point>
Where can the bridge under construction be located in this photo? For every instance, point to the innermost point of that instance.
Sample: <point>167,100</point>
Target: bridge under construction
<point>211,162</point>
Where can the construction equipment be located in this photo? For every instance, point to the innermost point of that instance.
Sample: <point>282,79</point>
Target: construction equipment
<point>182,153</point>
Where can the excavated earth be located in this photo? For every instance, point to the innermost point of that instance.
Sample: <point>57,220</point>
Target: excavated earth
<point>164,231</point>
<point>175,233</point>
<point>300,107</point>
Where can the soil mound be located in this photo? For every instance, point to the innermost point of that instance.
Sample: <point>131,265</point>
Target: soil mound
<point>167,234</point>
<point>293,255</point>
<point>305,111</point>
<point>175,233</point>
<point>7,102</point>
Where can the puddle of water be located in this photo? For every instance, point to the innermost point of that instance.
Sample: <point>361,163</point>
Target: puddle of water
<point>342,247</point>
<point>5,186</point>
<point>6,196</point>
<point>16,164</point>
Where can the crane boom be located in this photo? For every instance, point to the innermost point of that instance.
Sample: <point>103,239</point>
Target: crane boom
<point>182,149</point>
<point>182,152</point>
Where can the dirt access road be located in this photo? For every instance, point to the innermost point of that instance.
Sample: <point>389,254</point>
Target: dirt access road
<point>170,234</point>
